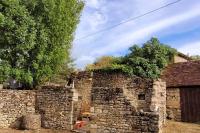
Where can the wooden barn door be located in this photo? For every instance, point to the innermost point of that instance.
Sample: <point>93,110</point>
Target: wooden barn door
<point>190,104</point>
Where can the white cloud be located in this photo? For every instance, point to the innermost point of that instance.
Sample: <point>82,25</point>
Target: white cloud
<point>92,19</point>
<point>99,14</point>
<point>127,38</point>
<point>192,48</point>
<point>96,19</point>
<point>94,3</point>
<point>84,60</point>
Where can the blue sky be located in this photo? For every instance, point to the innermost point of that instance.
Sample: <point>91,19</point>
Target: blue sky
<point>177,26</point>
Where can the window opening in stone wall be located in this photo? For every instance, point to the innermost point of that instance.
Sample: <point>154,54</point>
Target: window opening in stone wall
<point>80,97</point>
<point>141,97</point>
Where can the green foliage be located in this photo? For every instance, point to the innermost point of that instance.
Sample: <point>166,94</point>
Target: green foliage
<point>195,57</point>
<point>36,37</point>
<point>4,71</point>
<point>146,61</point>
<point>101,63</point>
<point>63,75</point>
<point>2,19</point>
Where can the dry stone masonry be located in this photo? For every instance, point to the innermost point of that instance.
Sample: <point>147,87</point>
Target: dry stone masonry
<point>118,103</point>
<point>55,104</point>
<point>14,104</point>
<point>127,104</point>
<point>83,85</point>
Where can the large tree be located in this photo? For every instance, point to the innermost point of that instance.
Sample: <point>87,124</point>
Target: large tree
<point>35,37</point>
<point>146,61</point>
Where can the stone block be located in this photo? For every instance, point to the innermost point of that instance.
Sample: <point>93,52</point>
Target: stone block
<point>32,121</point>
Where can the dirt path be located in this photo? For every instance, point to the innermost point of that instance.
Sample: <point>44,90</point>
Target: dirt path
<point>171,127</point>
<point>181,127</point>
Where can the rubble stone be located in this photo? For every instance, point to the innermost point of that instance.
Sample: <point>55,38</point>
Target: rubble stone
<point>124,104</point>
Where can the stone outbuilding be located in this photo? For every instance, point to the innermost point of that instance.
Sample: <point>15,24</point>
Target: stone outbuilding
<point>121,103</point>
<point>127,104</point>
<point>183,91</point>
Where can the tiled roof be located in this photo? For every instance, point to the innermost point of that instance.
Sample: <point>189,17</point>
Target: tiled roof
<point>182,74</point>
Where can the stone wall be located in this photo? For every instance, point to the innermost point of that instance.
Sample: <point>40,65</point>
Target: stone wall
<point>113,113</point>
<point>13,105</point>
<point>158,99</point>
<point>55,104</point>
<point>83,85</point>
<point>136,89</point>
<point>121,103</point>
<point>173,104</point>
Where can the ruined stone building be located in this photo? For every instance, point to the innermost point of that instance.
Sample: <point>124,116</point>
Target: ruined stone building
<point>182,77</point>
<point>118,104</point>
<point>121,103</point>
